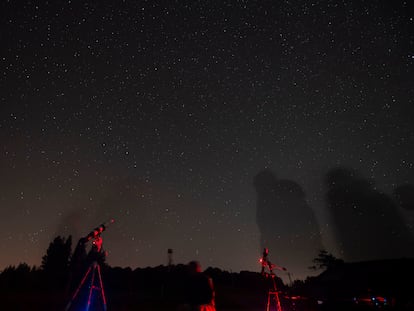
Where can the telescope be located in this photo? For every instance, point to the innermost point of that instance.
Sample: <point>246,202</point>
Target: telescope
<point>92,275</point>
<point>273,291</point>
<point>267,264</point>
<point>95,233</point>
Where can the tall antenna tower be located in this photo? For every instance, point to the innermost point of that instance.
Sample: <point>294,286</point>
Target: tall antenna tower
<point>170,257</point>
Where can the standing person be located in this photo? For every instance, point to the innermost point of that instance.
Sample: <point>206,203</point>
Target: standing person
<point>200,289</point>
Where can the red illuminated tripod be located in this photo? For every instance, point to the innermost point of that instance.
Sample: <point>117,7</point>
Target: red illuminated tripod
<point>95,285</point>
<point>273,292</point>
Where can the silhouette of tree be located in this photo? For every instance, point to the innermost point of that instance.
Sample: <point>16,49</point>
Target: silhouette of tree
<point>16,278</point>
<point>79,254</point>
<point>325,260</point>
<point>57,255</point>
<point>55,264</point>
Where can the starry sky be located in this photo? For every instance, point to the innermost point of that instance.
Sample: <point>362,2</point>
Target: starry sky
<point>160,114</point>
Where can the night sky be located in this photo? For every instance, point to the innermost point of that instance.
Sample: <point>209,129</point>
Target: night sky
<point>164,114</point>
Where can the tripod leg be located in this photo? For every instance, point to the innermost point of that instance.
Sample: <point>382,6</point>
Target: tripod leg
<point>78,289</point>
<point>279,307</point>
<point>91,287</point>
<point>276,293</point>
<point>268,301</point>
<point>102,288</point>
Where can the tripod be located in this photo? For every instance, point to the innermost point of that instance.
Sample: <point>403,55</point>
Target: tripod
<point>273,292</point>
<point>95,284</point>
<point>92,280</point>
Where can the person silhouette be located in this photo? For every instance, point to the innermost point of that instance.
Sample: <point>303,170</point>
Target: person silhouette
<point>200,289</point>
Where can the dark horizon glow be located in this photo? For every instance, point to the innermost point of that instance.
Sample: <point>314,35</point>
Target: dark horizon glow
<point>161,116</point>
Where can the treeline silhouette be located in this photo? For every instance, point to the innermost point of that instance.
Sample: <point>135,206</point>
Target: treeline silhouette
<point>50,287</point>
<point>340,286</point>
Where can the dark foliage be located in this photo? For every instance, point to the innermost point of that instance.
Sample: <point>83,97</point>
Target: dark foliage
<point>325,260</point>
<point>55,264</point>
<point>165,287</point>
